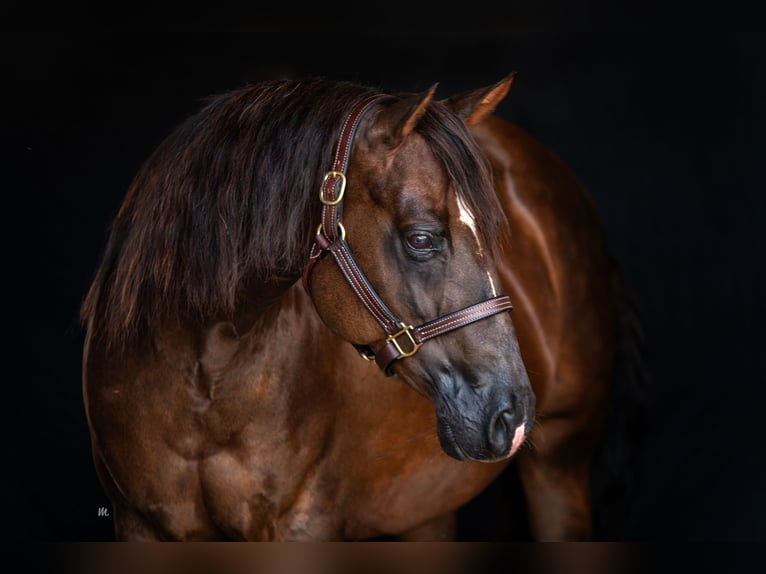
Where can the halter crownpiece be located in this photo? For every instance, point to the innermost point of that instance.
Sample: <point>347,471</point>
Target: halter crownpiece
<point>403,340</point>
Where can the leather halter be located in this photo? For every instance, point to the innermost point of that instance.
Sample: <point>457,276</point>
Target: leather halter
<point>402,340</point>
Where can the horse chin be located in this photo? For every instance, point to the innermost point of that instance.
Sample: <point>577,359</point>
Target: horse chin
<point>451,445</point>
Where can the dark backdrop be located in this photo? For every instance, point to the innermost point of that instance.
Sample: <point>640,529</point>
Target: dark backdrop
<point>661,115</point>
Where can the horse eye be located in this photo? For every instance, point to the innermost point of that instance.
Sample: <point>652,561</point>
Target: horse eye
<point>420,241</point>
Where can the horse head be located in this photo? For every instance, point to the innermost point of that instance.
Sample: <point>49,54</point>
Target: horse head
<point>412,224</point>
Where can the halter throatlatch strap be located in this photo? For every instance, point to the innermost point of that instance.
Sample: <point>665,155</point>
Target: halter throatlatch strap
<point>402,340</point>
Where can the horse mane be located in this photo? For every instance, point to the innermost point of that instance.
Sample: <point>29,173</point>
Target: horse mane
<point>228,197</point>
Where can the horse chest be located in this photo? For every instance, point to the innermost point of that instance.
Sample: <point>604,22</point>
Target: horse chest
<point>343,497</point>
<point>333,477</point>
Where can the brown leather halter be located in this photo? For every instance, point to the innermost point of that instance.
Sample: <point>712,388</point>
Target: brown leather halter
<point>402,340</point>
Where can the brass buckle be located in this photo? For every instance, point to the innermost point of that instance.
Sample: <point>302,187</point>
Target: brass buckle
<point>406,330</point>
<point>327,176</point>
<point>340,226</point>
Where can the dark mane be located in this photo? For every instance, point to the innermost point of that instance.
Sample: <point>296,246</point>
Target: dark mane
<point>228,195</point>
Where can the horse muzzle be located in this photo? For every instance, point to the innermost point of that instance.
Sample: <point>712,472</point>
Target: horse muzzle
<point>466,433</point>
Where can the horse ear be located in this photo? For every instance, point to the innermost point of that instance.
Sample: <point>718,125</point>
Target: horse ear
<point>395,122</point>
<point>472,107</point>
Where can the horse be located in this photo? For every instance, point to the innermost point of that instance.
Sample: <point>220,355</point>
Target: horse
<point>329,313</point>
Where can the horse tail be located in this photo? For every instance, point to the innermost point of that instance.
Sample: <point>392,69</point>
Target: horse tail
<point>619,461</point>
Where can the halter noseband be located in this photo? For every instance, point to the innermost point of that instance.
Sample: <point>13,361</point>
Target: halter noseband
<point>402,340</point>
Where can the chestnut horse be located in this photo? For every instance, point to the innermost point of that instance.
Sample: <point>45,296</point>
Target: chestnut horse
<point>290,227</point>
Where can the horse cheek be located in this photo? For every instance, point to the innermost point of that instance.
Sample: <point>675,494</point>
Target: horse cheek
<point>339,307</point>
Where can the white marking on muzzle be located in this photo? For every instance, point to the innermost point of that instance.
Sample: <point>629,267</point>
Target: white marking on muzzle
<point>518,438</point>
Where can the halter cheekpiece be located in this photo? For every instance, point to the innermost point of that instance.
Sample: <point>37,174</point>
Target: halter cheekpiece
<point>403,340</point>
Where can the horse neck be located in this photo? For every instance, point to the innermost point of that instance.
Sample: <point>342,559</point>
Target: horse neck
<point>272,329</point>
<point>260,302</point>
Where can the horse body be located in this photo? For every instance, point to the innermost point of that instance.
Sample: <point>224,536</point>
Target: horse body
<point>241,442</point>
<point>264,424</point>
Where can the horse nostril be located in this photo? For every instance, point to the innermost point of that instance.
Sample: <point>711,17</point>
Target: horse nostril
<point>500,433</point>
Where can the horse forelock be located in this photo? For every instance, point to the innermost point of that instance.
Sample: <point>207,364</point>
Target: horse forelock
<point>225,200</point>
<point>469,171</point>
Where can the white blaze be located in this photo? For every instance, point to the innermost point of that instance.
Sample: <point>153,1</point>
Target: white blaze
<point>468,219</point>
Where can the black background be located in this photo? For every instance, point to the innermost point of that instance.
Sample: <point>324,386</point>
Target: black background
<point>659,111</point>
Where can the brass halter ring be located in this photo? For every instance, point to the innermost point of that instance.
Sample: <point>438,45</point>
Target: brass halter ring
<point>340,226</point>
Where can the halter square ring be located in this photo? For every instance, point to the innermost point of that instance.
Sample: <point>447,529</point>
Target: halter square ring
<point>406,330</point>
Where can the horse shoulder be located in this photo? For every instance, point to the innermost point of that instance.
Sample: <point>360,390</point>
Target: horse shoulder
<point>146,438</point>
<point>184,432</point>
